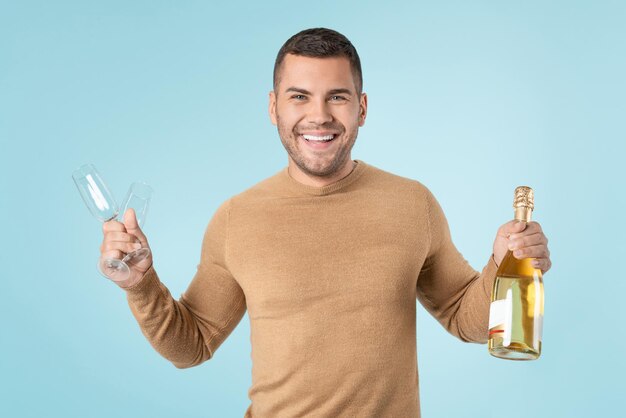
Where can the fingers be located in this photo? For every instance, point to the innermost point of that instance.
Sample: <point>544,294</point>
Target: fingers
<point>531,228</point>
<point>113,226</point>
<point>119,247</point>
<point>534,251</point>
<point>542,264</point>
<point>120,242</point>
<point>120,236</point>
<point>128,231</point>
<point>521,241</point>
<point>525,240</point>
<point>540,254</point>
<point>116,254</point>
<point>531,243</point>
<point>511,227</point>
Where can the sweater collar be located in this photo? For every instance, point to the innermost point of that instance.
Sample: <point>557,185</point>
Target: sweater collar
<point>303,189</point>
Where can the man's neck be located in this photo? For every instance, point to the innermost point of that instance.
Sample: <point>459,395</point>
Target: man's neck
<point>315,181</point>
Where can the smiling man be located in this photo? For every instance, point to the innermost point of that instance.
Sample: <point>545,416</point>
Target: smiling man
<point>328,257</point>
<point>318,107</point>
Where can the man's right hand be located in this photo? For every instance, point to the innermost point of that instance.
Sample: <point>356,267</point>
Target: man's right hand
<point>122,238</point>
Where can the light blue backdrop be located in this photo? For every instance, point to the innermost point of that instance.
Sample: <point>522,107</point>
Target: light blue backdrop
<point>470,98</point>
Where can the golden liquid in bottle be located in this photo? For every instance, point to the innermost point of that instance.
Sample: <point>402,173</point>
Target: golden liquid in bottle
<point>516,315</point>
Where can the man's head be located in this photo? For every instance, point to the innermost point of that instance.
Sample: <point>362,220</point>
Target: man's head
<point>320,43</point>
<point>318,96</point>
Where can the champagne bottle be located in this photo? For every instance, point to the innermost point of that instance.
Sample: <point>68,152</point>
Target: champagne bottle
<point>516,311</point>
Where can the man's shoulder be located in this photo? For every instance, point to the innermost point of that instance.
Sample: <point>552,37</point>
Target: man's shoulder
<point>396,182</point>
<point>262,190</point>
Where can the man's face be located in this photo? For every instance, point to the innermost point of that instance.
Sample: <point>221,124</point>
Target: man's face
<point>316,100</point>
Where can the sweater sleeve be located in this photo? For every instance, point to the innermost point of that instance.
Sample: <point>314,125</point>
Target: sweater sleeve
<point>449,288</point>
<point>188,331</point>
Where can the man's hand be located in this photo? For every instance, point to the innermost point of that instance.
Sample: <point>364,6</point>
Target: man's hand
<point>122,238</point>
<point>526,240</point>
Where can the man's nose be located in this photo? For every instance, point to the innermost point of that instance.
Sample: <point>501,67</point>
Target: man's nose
<point>319,112</point>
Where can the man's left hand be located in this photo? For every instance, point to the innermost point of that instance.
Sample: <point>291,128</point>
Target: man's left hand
<point>526,240</point>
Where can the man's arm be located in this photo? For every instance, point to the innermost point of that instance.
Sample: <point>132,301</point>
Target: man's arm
<point>457,295</point>
<point>188,331</point>
<point>449,288</point>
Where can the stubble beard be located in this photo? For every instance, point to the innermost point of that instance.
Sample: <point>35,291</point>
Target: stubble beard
<point>319,168</point>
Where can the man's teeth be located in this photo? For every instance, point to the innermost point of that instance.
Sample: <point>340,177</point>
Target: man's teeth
<point>318,138</point>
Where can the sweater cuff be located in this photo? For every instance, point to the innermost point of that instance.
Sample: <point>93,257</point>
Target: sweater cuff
<point>147,284</point>
<point>489,276</point>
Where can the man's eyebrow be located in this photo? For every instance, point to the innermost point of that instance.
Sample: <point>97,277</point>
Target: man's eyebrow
<point>340,91</point>
<point>304,91</point>
<point>297,90</point>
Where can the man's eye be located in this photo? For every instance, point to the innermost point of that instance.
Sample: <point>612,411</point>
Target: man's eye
<point>337,98</point>
<point>298,96</point>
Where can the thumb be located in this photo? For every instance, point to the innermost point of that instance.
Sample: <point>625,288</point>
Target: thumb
<point>132,225</point>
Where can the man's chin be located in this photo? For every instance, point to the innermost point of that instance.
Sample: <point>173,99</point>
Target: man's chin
<point>322,170</point>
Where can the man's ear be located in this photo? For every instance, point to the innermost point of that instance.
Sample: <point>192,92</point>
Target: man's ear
<point>272,108</point>
<point>362,109</point>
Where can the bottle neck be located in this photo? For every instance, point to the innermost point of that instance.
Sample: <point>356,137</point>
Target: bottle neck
<point>523,213</point>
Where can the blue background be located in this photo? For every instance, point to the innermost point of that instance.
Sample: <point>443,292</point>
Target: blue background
<point>470,98</point>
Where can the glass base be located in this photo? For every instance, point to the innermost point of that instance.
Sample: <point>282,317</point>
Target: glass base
<point>119,270</point>
<point>114,269</point>
<point>136,256</point>
<point>514,353</point>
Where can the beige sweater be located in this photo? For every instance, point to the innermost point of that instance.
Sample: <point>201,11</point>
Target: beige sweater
<point>329,277</point>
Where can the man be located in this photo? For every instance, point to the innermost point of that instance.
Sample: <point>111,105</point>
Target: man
<point>328,256</point>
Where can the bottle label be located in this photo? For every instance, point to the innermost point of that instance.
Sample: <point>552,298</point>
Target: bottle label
<point>500,318</point>
<point>497,313</point>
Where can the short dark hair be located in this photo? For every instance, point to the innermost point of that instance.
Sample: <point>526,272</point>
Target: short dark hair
<point>320,43</point>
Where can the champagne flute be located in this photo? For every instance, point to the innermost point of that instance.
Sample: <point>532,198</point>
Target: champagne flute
<point>137,198</point>
<point>102,205</point>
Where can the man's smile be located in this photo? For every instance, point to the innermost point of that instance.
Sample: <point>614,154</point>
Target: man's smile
<point>318,139</point>
<point>318,142</point>
<point>324,138</point>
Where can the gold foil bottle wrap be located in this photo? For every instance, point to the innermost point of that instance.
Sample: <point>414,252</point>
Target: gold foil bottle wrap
<point>524,203</point>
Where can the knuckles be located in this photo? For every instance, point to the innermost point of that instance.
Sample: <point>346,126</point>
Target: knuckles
<point>536,227</point>
<point>120,236</point>
<point>113,226</point>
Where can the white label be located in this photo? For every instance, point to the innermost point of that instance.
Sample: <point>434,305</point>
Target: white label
<point>497,313</point>
<point>501,314</point>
